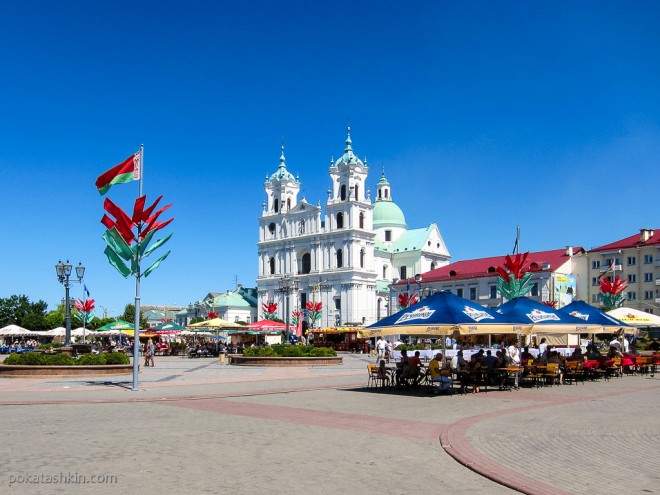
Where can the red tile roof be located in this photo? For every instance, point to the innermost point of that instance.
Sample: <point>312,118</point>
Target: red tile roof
<point>634,240</point>
<point>485,267</point>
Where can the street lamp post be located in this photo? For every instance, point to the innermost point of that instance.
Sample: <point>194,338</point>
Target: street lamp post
<point>63,273</point>
<point>287,286</point>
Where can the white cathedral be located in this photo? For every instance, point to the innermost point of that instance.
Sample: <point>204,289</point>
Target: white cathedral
<point>344,257</point>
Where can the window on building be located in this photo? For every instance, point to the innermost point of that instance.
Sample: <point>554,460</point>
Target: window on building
<point>493,291</point>
<point>340,258</point>
<point>288,204</point>
<point>342,193</point>
<point>362,258</point>
<point>632,278</point>
<point>271,265</point>
<point>276,205</point>
<point>473,293</point>
<point>648,258</point>
<point>303,300</point>
<point>594,298</point>
<point>535,289</point>
<point>595,264</point>
<point>648,294</point>
<point>632,296</point>
<point>248,319</point>
<point>387,193</point>
<point>306,263</point>
<point>459,292</point>
<point>271,228</point>
<point>648,277</point>
<point>609,261</point>
<point>236,319</point>
<point>361,220</point>
<point>385,272</point>
<point>388,235</point>
<point>337,303</point>
<point>301,227</point>
<point>403,273</point>
<point>355,190</point>
<point>632,260</point>
<point>594,281</point>
<point>340,220</point>
<point>433,265</point>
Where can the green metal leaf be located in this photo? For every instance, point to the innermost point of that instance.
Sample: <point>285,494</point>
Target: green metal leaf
<point>158,244</point>
<point>155,265</point>
<point>117,243</point>
<point>117,262</point>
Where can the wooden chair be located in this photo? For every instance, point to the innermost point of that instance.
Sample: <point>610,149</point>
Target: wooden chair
<point>534,375</point>
<point>573,372</point>
<point>551,374</point>
<point>615,368</point>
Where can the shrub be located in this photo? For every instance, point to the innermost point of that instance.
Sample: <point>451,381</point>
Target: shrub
<point>293,351</point>
<point>117,358</point>
<point>91,360</point>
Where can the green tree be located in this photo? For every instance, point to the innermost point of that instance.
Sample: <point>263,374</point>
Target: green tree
<point>16,308</point>
<point>129,316</point>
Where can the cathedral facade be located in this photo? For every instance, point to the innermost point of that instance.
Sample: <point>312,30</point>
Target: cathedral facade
<point>344,255</point>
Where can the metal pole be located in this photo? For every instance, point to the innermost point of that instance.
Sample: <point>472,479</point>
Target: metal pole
<point>67,312</point>
<point>287,314</point>
<point>136,330</point>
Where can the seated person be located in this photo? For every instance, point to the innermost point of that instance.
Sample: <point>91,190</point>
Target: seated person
<point>472,366</point>
<point>382,372</point>
<point>526,355</point>
<point>555,358</point>
<point>457,362</point>
<point>415,367</point>
<point>614,352</point>
<point>403,367</point>
<point>489,360</point>
<point>577,354</point>
<point>435,369</point>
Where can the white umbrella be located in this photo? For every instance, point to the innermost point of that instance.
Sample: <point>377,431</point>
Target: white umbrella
<point>635,318</point>
<point>79,332</point>
<point>56,332</point>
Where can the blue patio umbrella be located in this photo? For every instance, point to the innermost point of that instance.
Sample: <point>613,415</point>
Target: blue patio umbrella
<point>442,314</point>
<point>542,318</point>
<point>590,314</point>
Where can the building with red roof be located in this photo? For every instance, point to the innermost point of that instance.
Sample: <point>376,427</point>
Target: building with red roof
<point>556,276</point>
<point>634,259</point>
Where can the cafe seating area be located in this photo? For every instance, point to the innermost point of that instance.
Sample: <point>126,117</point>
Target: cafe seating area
<point>530,374</point>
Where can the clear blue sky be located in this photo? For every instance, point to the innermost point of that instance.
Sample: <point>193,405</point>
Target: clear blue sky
<point>485,115</point>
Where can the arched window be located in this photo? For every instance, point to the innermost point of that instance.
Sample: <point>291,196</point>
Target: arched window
<point>387,193</point>
<point>271,265</point>
<point>362,258</point>
<point>340,220</point>
<point>379,194</point>
<point>432,265</point>
<point>356,192</point>
<point>361,220</point>
<point>276,205</point>
<point>306,263</point>
<point>288,204</point>
<point>342,193</point>
<point>340,258</point>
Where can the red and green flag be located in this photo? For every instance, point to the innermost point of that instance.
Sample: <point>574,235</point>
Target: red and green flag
<point>126,171</point>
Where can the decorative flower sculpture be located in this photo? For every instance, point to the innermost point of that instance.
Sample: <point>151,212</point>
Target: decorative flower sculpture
<point>407,300</point>
<point>552,303</point>
<point>314,310</point>
<point>296,317</point>
<point>513,280</point>
<point>85,309</point>
<point>612,292</point>
<point>211,314</point>
<point>120,236</point>
<point>269,308</point>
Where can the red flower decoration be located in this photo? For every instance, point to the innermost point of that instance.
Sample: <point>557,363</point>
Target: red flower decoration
<point>84,306</point>
<point>515,265</point>
<point>613,288</point>
<point>407,300</point>
<point>211,314</point>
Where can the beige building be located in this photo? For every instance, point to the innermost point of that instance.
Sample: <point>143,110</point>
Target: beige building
<point>636,260</point>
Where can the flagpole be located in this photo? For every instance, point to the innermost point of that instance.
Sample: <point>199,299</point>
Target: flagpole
<point>136,330</point>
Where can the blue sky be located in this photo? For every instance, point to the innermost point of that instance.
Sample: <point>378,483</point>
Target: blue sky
<point>485,115</point>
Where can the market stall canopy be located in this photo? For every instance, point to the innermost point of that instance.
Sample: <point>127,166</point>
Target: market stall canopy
<point>542,318</point>
<point>590,314</point>
<point>16,331</point>
<point>55,332</point>
<point>216,324</point>
<point>80,331</point>
<point>443,314</point>
<point>166,328</point>
<point>635,317</point>
<point>116,325</point>
<point>267,325</point>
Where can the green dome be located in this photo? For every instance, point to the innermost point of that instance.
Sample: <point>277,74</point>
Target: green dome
<point>388,214</point>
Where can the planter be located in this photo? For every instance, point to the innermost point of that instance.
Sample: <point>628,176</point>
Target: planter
<point>26,371</point>
<point>240,360</point>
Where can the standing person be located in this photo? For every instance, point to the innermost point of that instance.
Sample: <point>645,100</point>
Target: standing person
<point>388,350</point>
<point>513,357</point>
<point>150,352</point>
<point>380,349</point>
<point>542,347</point>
